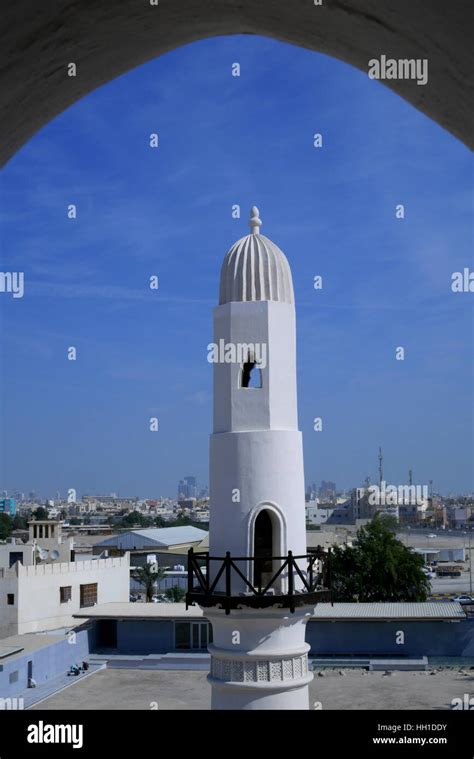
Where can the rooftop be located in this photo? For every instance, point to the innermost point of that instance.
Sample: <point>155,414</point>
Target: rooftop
<point>124,610</point>
<point>136,685</point>
<point>323,611</point>
<point>421,610</point>
<point>20,645</point>
<point>161,537</point>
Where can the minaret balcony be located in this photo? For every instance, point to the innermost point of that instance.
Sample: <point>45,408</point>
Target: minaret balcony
<point>259,582</point>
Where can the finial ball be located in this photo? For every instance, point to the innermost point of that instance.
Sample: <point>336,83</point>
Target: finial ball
<point>255,220</point>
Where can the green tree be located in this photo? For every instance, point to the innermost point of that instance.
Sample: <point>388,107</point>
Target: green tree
<point>187,522</point>
<point>6,523</point>
<point>147,576</point>
<point>175,594</point>
<point>136,518</point>
<point>19,522</point>
<point>388,521</point>
<point>40,513</point>
<point>378,568</point>
<point>181,521</point>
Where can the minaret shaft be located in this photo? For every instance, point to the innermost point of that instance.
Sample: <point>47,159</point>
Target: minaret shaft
<point>258,654</point>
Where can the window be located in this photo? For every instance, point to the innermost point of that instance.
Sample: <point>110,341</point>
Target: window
<point>14,557</point>
<point>13,677</point>
<point>65,593</point>
<point>88,594</point>
<point>251,375</point>
<point>10,599</point>
<point>196,635</point>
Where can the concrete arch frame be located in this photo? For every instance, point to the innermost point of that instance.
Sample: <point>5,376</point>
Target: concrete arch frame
<point>278,519</point>
<point>106,38</point>
<point>279,535</point>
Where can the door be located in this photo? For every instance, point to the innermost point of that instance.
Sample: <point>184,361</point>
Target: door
<point>107,633</point>
<point>263,545</point>
<point>199,635</point>
<point>192,635</point>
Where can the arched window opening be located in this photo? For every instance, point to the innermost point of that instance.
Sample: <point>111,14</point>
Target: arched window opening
<point>251,375</point>
<point>263,549</point>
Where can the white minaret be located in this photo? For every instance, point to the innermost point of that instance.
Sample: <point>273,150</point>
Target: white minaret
<point>258,654</point>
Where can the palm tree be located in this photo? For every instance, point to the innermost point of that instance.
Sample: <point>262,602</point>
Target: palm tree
<point>175,594</point>
<point>148,575</point>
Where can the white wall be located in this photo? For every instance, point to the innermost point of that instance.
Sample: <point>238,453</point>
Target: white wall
<point>315,515</point>
<point>37,597</point>
<point>256,453</point>
<point>5,550</point>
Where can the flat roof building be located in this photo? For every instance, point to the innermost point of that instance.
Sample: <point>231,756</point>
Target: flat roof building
<point>175,542</point>
<point>399,631</point>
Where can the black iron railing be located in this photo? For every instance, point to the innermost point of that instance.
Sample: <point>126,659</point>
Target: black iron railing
<point>220,581</point>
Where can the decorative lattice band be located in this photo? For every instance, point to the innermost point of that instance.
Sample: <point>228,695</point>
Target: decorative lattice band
<point>259,670</point>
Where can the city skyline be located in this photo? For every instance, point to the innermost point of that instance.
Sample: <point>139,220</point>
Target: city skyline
<point>309,485</point>
<point>141,354</point>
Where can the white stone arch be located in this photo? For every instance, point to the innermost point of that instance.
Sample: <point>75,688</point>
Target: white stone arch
<point>278,520</point>
<point>279,533</point>
<point>33,44</point>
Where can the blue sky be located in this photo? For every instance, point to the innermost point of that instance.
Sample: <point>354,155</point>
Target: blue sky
<point>234,140</point>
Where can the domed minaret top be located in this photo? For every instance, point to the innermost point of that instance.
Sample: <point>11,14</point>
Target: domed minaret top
<point>255,269</point>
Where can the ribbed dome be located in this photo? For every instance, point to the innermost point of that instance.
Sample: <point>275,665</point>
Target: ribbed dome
<point>255,269</point>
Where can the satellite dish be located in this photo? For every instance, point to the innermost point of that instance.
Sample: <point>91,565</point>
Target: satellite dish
<point>42,553</point>
<point>54,555</point>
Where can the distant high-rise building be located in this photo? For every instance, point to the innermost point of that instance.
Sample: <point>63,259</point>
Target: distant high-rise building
<point>327,491</point>
<point>311,492</point>
<point>187,488</point>
<point>8,506</point>
<point>191,484</point>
